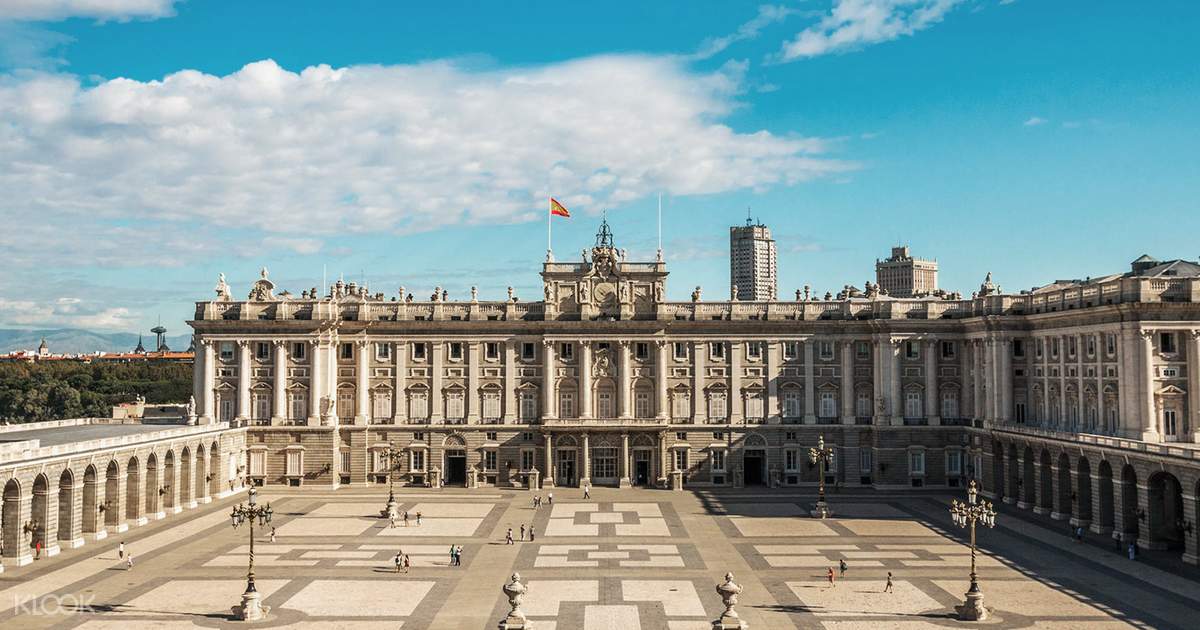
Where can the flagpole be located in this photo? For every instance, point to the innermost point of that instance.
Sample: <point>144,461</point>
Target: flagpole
<point>660,252</point>
<point>549,222</point>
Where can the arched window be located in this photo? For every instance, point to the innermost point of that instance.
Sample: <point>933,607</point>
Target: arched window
<point>681,403</point>
<point>718,408</point>
<point>949,403</point>
<point>791,402</point>
<point>912,405</point>
<point>828,404</point>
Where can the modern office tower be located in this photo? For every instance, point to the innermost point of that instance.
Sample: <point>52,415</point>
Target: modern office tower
<point>901,275</point>
<point>752,269</point>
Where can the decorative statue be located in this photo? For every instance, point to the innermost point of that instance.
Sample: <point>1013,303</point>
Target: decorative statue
<point>828,296</point>
<point>191,407</point>
<point>798,296</point>
<point>437,294</point>
<point>262,273</point>
<point>696,295</point>
<point>807,292</point>
<point>624,291</point>
<point>549,289</point>
<point>445,295</point>
<point>474,294</point>
<point>222,289</point>
<point>584,256</point>
<point>658,291</point>
<point>402,292</point>
<point>733,293</point>
<point>512,296</point>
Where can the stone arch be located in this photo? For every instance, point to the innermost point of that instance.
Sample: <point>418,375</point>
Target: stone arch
<point>169,481</point>
<point>1046,485</point>
<point>66,505</point>
<point>90,506</point>
<point>998,470</point>
<point>1107,502</point>
<point>186,487</point>
<point>345,400</point>
<point>565,441</point>
<point>11,519</point>
<point>1065,492</point>
<point>133,488</point>
<point>1083,483</point>
<point>214,469</point>
<point>201,472</point>
<point>1165,513</point>
<point>454,440</point>
<point>40,510</point>
<point>643,388</point>
<point>1028,485</point>
<point>754,440</point>
<point>112,494</point>
<point>1014,471</point>
<point>1129,499</point>
<point>642,439</point>
<point>153,487</point>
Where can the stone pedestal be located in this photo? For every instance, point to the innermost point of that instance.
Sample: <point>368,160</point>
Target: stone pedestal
<point>677,480</point>
<point>514,590</point>
<point>820,510</point>
<point>624,483</point>
<point>472,478</point>
<point>251,608</point>
<point>435,477</point>
<point>532,479</point>
<point>972,609</point>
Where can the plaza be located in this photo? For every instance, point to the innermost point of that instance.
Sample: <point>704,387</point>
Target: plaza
<point>626,558</point>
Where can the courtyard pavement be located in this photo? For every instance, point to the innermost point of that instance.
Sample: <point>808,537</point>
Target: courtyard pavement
<point>625,559</point>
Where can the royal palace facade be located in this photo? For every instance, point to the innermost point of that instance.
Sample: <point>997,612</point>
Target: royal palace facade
<point>1081,399</point>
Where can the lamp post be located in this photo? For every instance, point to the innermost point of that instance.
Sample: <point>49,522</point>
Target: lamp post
<point>822,456</point>
<point>251,608</point>
<point>392,457</point>
<point>967,515</point>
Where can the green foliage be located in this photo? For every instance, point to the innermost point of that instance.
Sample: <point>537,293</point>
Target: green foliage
<point>72,389</point>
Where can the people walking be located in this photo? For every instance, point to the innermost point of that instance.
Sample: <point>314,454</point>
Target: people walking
<point>587,490</point>
<point>121,550</point>
<point>531,533</point>
<point>829,575</point>
<point>453,553</point>
<point>406,518</point>
<point>418,519</point>
<point>888,588</point>
<point>272,534</point>
<point>128,562</point>
<point>399,560</point>
<point>1079,534</point>
<point>508,539</point>
<point>549,498</point>
<point>407,563</point>
<point>522,532</point>
<point>842,568</point>
<point>392,520</point>
<point>458,556</point>
<point>1132,551</point>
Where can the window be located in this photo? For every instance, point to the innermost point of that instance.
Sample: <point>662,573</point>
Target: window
<point>527,436</point>
<point>566,351</point>
<point>954,460</point>
<point>1019,412</point>
<point>754,350</point>
<point>790,436</point>
<point>1071,346</point>
<point>641,405</point>
<point>1170,372</point>
<point>791,460</point>
<point>529,410</point>
<point>912,405</point>
<point>1054,347</point>
<point>681,404</point>
<point>262,351</point>
<point>949,404</point>
<point>754,405</point>
<point>604,462</point>
<point>1166,343</point>
<point>418,461</point>
<point>862,349</point>
<point>298,350</point>
<point>947,349</point>
<point>381,406</point>
<point>528,351</point>
<point>1091,345</point>
<point>826,350</point>
<point>681,459</point>
<point>681,436</point>
<point>295,463</point>
<point>717,408</point>
<point>226,350</point>
<point>418,352</point>
<point>1110,344</point>
<point>641,351</point>
<point>1019,348</point>
<point>346,402</point>
<point>379,460</point>
<point>418,436</point>
<point>262,406</point>
<point>718,435</point>
<point>1038,348</point>
<point>454,405</point>
<point>716,350</point>
<point>864,460</point>
<point>491,405</point>
<point>528,459</point>
<point>912,350</point>
<point>1170,423</point>
<point>718,460</point>
<point>258,463</point>
<point>791,403</point>
<point>491,351</point>
<point>604,404</point>
<point>916,462</point>
<point>862,404</point>
<point>456,351</point>
<point>828,404</point>
<point>383,351</point>
<point>566,404</point>
<point>681,351</point>
<point>297,406</point>
<point>346,352</point>
<point>418,405</point>
<point>791,350</point>
<point>489,459</point>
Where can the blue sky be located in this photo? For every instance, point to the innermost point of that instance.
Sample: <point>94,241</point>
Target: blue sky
<point>146,145</point>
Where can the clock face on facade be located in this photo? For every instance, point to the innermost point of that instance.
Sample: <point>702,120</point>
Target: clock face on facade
<point>604,292</point>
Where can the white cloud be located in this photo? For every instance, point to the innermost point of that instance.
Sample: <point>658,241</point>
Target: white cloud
<point>768,14</point>
<point>66,311</point>
<point>118,10</point>
<point>194,157</point>
<point>1034,121</point>
<point>304,246</point>
<point>852,24</point>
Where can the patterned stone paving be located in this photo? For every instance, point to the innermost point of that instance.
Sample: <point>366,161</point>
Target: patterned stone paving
<point>629,559</point>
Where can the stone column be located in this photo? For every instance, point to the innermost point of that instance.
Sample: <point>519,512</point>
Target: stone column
<point>549,408</point>
<point>663,463</point>
<point>1193,401</point>
<point>551,474</point>
<point>699,411</point>
<point>932,413</point>
<point>810,383</point>
<point>400,399</point>
<point>1127,383</point>
<point>16,542</point>
<point>625,382</point>
<point>1146,398</point>
<point>847,369</point>
<point>510,391</point>
<point>362,385</point>
<point>737,402</point>
<point>1045,382</point>
<point>329,379</point>
<point>243,393</point>
<point>314,383</point>
<point>437,403</point>
<point>1006,381</point>
<point>208,396</point>
<point>279,410</point>
<point>978,350</point>
<point>1062,382</point>
<point>878,404</point>
<point>472,399</point>
<point>624,482</point>
<point>966,404</point>
<point>894,374</point>
<point>585,379</point>
<point>586,478</point>
<point>660,380</point>
<point>1191,552</point>
<point>1097,507</point>
<point>1081,400</point>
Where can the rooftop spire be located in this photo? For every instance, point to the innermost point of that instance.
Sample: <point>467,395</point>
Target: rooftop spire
<point>604,238</point>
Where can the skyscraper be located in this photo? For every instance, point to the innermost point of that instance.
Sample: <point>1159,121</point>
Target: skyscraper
<point>901,275</point>
<point>752,270</point>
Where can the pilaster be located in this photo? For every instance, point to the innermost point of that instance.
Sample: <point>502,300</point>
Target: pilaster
<point>810,383</point>
<point>243,392</point>
<point>847,373</point>
<point>699,410</point>
<point>279,410</point>
<point>585,378</point>
<point>362,385</point>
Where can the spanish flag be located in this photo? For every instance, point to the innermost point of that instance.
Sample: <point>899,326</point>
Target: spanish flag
<point>558,209</point>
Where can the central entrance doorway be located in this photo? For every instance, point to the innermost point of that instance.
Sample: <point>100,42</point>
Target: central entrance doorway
<point>752,468</point>
<point>456,468</point>
<point>566,467</point>
<point>641,468</point>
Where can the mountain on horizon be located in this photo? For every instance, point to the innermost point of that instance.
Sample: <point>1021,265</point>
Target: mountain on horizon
<point>79,341</point>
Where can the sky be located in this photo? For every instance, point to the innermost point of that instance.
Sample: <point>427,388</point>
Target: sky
<point>148,145</point>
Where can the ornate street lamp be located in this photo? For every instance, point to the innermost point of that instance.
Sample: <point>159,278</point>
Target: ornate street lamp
<point>392,456</point>
<point>823,457</point>
<point>251,608</point>
<point>967,515</point>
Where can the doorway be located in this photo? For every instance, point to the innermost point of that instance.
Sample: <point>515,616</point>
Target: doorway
<point>641,468</point>
<point>456,468</point>
<point>752,468</point>
<point>566,467</point>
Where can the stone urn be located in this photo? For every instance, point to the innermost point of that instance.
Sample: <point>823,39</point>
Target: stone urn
<point>729,620</point>
<point>514,590</point>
